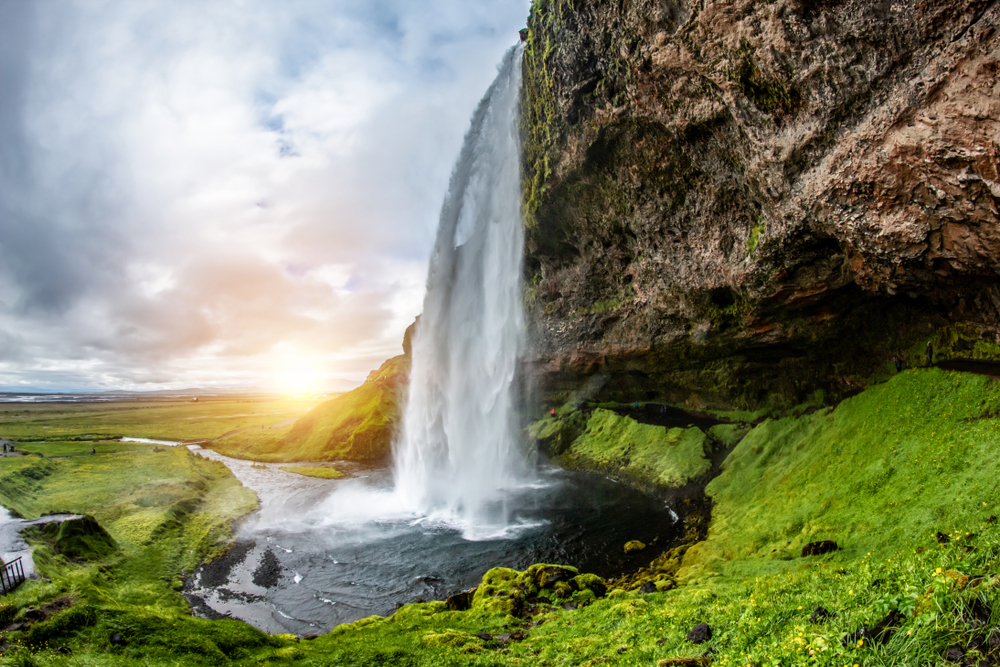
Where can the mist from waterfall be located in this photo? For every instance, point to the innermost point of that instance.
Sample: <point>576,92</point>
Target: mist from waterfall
<point>458,451</point>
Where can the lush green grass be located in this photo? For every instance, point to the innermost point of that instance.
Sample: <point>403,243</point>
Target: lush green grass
<point>356,426</point>
<point>881,474</point>
<point>59,449</point>
<point>156,419</point>
<point>307,471</point>
<point>163,512</point>
<point>886,468</point>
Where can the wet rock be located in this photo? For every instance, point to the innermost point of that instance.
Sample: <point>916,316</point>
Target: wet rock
<point>819,548</point>
<point>461,601</point>
<point>700,634</point>
<point>485,636</point>
<point>118,640</point>
<point>309,638</point>
<point>954,654</point>
<point>648,587</point>
<point>819,615</point>
<point>217,572</point>
<point>569,606</point>
<point>268,572</point>
<point>64,650</point>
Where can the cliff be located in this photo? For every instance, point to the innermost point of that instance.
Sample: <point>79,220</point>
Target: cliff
<point>740,203</point>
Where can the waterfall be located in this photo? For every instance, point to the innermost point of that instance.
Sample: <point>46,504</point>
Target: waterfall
<point>458,451</point>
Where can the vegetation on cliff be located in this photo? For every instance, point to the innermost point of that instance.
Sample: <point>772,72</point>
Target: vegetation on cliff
<point>357,426</point>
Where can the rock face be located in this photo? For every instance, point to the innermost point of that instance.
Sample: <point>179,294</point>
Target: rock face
<point>732,202</point>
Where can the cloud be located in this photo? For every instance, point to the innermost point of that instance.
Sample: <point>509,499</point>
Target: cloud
<point>189,190</point>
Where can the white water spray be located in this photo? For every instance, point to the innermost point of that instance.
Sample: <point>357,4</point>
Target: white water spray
<point>458,450</point>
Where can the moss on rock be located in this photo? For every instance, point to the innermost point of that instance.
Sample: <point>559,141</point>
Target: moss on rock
<point>81,539</point>
<point>652,456</point>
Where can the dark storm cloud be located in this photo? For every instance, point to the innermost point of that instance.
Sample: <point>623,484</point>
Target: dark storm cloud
<point>193,192</point>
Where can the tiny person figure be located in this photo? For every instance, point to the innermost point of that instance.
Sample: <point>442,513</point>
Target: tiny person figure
<point>93,450</point>
<point>5,449</point>
<point>899,365</point>
<point>552,412</point>
<point>930,353</point>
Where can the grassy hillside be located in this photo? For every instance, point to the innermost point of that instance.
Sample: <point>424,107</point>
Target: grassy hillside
<point>902,477</point>
<point>357,426</point>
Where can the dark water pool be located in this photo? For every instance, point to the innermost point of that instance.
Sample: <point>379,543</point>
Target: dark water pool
<point>324,552</point>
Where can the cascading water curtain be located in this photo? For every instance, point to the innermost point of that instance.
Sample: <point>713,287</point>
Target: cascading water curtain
<point>458,450</point>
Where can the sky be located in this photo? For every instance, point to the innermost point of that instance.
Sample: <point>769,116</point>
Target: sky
<point>226,193</point>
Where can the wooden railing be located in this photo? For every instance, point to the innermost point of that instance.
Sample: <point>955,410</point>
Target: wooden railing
<point>11,574</point>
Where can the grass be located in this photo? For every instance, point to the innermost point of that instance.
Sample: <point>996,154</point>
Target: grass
<point>882,474</point>
<point>890,466</point>
<point>60,449</point>
<point>357,426</point>
<point>156,419</point>
<point>163,512</point>
<point>306,471</point>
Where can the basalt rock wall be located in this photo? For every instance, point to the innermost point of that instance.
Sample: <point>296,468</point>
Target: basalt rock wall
<point>737,202</point>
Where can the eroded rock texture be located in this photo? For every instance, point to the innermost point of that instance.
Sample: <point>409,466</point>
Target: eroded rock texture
<point>735,202</point>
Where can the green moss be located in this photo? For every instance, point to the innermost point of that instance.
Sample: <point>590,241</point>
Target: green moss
<point>755,232</point>
<point>958,341</point>
<point>770,95</point>
<point>650,455</point>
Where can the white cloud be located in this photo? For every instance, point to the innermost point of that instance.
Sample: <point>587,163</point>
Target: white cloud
<point>190,189</point>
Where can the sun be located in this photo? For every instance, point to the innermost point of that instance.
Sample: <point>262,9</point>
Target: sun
<point>297,374</point>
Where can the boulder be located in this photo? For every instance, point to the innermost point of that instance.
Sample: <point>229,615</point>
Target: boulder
<point>819,548</point>
<point>700,634</point>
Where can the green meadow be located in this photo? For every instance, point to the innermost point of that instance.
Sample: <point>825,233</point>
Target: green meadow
<point>145,418</point>
<point>902,477</point>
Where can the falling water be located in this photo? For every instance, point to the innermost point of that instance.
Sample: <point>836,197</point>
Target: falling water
<point>458,450</point>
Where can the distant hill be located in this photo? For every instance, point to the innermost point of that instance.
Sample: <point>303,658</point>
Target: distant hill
<point>356,426</point>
